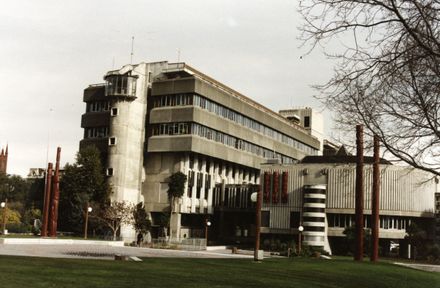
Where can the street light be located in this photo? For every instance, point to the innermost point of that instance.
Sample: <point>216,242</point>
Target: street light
<point>207,224</point>
<point>256,197</point>
<point>88,210</point>
<point>300,230</point>
<point>3,205</point>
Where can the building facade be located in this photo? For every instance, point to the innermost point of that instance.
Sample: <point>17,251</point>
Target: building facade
<point>319,194</point>
<point>151,120</point>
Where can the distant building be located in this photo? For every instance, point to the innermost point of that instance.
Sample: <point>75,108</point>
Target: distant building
<point>310,119</point>
<point>4,160</point>
<point>151,120</point>
<point>38,173</point>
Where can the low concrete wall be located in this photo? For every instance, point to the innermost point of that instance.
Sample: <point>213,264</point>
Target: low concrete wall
<point>48,241</point>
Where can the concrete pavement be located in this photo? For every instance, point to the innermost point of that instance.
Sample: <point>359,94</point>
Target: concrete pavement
<point>91,250</point>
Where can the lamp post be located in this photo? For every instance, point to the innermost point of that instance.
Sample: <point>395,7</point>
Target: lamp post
<point>256,197</point>
<point>88,210</point>
<point>207,224</point>
<point>4,206</point>
<point>300,230</point>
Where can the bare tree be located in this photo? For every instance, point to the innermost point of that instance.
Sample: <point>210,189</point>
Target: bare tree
<point>388,73</point>
<point>115,215</point>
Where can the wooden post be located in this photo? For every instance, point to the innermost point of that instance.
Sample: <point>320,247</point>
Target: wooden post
<point>47,192</point>
<point>53,222</point>
<point>375,204</point>
<point>359,204</point>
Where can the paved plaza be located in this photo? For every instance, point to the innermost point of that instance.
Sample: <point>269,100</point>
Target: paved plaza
<point>99,250</point>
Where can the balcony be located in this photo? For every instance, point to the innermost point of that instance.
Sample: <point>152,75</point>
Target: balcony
<point>121,86</point>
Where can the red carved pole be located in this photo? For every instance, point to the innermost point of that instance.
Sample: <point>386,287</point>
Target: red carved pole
<point>284,194</point>
<point>266,187</point>
<point>375,203</point>
<point>276,187</point>
<point>47,192</point>
<point>359,205</point>
<point>55,197</point>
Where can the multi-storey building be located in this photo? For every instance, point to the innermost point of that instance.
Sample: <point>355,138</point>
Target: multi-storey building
<point>151,120</point>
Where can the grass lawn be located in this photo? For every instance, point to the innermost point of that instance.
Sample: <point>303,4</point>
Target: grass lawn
<point>166,272</point>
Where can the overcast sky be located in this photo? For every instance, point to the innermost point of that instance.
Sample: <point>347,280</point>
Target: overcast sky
<point>51,50</point>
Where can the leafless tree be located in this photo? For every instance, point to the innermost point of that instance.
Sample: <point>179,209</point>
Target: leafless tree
<point>388,73</point>
<point>115,215</point>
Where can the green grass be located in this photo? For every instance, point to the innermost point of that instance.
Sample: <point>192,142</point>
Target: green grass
<point>166,272</point>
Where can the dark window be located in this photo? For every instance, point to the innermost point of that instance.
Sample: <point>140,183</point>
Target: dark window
<point>112,141</point>
<point>265,218</point>
<point>307,121</point>
<point>114,112</point>
<point>294,219</point>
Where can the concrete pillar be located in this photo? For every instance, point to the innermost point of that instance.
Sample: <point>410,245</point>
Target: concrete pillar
<point>185,170</point>
<point>175,224</point>
<point>202,189</point>
<point>211,188</point>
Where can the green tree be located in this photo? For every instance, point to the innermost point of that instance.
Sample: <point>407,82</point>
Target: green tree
<point>350,237</point>
<point>176,186</point>
<point>115,215</point>
<point>141,222</point>
<point>14,188</point>
<point>82,182</point>
<point>417,237</point>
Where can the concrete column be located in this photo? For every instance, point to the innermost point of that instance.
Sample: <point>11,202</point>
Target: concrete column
<point>183,207</point>
<point>175,224</point>
<point>202,191</point>
<point>211,188</point>
<point>229,174</point>
<point>194,188</point>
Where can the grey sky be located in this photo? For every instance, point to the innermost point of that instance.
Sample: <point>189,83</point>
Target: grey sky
<point>51,50</point>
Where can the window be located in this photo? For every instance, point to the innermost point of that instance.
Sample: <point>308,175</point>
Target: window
<point>109,172</point>
<point>294,219</point>
<point>265,218</point>
<point>112,141</point>
<point>307,121</point>
<point>114,112</point>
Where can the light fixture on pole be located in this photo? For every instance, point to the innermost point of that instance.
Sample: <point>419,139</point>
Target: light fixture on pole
<point>300,230</point>
<point>88,210</point>
<point>256,197</point>
<point>4,206</point>
<point>207,225</point>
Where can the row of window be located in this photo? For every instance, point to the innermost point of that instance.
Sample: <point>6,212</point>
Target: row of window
<point>222,166</point>
<point>232,197</point>
<point>385,222</point>
<point>220,110</point>
<point>211,134</point>
<point>98,106</point>
<point>96,132</point>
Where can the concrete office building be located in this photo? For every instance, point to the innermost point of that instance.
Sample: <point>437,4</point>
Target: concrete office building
<point>151,120</point>
<point>319,194</point>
